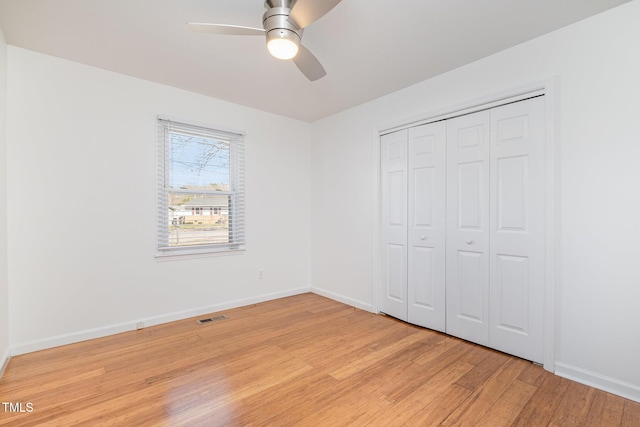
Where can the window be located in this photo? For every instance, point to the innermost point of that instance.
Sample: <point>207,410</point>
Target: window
<point>199,170</point>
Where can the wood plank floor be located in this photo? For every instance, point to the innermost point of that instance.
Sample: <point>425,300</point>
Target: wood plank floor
<point>304,360</point>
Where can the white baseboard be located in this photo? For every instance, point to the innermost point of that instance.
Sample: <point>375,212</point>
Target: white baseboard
<point>341,298</point>
<point>4,361</point>
<point>42,344</point>
<point>602,382</point>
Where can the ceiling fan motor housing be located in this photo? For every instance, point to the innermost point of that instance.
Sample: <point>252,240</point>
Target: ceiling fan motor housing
<point>268,4</point>
<point>277,25</point>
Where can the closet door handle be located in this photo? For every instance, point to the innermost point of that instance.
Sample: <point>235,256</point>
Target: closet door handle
<point>423,237</point>
<point>469,242</point>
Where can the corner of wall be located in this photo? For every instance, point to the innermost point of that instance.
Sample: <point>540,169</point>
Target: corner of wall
<point>343,299</point>
<point>4,284</point>
<point>4,362</point>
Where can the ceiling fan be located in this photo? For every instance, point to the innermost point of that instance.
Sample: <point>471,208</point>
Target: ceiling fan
<point>283,22</point>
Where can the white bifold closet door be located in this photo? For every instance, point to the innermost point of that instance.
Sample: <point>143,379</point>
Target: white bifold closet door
<point>426,226</point>
<point>463,226</point>
<point>517,265</point>
<point>393,153</point>
<point>495,228</point>
<point>413,224</point>
<point>468,153</point>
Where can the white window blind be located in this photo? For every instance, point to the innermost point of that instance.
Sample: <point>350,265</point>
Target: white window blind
<point>200,189</point>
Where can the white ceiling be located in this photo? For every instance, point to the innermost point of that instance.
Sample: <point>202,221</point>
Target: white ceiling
<point>368,47</point>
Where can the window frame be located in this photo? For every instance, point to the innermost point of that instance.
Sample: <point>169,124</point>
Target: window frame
<point>165,126</point>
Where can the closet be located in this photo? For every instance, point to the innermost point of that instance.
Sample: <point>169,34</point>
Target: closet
<point>462,211</point>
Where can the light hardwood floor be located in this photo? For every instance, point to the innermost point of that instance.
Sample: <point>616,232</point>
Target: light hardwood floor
<point>303,360</point>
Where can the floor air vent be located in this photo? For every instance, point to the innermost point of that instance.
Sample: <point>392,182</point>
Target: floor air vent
<point>211,319</point>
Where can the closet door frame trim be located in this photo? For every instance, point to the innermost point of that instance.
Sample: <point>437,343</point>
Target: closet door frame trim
<point>548,88</point>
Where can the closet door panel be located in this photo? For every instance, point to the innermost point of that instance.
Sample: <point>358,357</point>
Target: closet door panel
<point>470,195</point>
<point>467,230</point>
<point>512,286</point>
<point>426,231</point>
<point>393,153</point>
<point>517,228</point>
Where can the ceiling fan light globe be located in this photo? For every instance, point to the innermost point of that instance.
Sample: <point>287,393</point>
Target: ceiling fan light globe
<point>283,43</point>
<point>282,48</point>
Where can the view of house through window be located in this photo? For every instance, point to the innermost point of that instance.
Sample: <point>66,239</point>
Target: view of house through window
<point>201,188</point>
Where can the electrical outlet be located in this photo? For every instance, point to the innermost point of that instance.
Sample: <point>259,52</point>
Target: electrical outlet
<point>140,325</point>
<point>260,274</point>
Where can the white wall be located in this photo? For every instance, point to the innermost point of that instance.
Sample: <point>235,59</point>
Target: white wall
<point>81,205</point>
<point>4,284</point>
<point>598,65</point>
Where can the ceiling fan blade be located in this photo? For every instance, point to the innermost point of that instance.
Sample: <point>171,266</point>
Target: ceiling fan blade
<point>233,30</point>
<point>309,64</point>
<point>305,12</point>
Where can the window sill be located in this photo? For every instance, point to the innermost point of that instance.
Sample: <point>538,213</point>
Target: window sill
<point>194,253</point>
